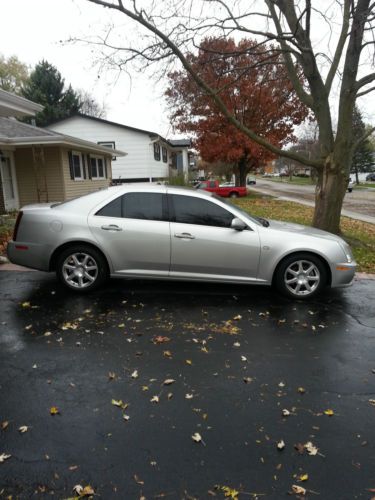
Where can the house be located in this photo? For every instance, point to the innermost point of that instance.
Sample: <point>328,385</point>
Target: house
<point>38,165</point>
<point>149,156</point>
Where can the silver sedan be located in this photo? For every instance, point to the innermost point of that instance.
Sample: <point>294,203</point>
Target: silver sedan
<point>164,232</point>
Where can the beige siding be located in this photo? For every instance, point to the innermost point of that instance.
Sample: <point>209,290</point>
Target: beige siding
<point>43,175</point>
<point>75,188</point>
<point>39,174</point>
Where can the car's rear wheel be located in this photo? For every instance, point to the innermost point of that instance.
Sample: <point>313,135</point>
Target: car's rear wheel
<point>81,268</point>
<point>233,195</point>
<point>301,276</point>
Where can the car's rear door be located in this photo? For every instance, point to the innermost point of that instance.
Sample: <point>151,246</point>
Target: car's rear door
<point>204,246</point>
<point>133,231</point>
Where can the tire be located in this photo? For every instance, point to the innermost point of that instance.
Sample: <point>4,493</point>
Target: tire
<point>233,195</point>
<point>81,268</point>
<point>350,190</point>
<point>301,276</point>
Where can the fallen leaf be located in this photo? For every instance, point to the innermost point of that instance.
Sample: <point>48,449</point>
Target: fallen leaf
<point>310,448</point>
<point>285,412</point>
<point>196,437</point>
<point>303,477</point>
<point>3,457</point>
<point>167,354</point>
<point>25,305</point>
<point>188,361</point>
<point>137,480</point>
<point>188,396</point>
<point>159,339</point>
<point>117,402</point>
<point>154,399</point>
<point>111,375</point>
<point>134,374</point>
<point>247,380</point>
<point>238,317</point>
<point>301,390</point>
<point>4,425</point>
<point>372,402</point>
<point>83,491</point>
<point>298,490</point>
<point>229,492</point>
<point>243,358</point>
<point>329,412</point>
<point>54,410</point>
<point>236,344</point>
<point>169,381</point>
<point>300,448</point>
<point>280,445</point>
<point>126,417</point>
<point>88,490</point>
<point>23,429</point>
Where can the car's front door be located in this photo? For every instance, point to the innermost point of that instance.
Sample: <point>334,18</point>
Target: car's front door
<point>204,246</point>
<point>133,230</point>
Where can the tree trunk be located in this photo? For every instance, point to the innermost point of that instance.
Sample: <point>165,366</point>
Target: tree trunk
<point>243,170</point>
<point>329,195</point>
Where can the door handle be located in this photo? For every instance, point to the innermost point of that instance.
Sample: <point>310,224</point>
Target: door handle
<point>112,227</point>
<point>186,236</point>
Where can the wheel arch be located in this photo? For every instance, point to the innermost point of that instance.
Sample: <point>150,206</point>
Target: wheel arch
<point>304,252</point>
<point>64,246</point>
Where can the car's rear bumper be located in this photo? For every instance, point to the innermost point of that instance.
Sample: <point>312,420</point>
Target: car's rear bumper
<point>33,255</point>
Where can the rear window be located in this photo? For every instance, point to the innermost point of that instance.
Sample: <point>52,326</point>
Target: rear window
<point>144,206</point>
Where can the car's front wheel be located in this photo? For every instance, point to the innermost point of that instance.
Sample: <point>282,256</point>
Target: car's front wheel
<point>81,268</point>
<point>233,195</point>
<point>301,276</point>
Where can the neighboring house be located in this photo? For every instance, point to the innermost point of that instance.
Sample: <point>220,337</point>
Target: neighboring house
<point>38,165</point>
<point>149,156</point>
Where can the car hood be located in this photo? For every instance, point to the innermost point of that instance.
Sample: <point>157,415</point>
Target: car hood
<point>303,230</point>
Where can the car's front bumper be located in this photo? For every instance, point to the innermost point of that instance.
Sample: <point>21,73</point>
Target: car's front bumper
<point>343,274</point>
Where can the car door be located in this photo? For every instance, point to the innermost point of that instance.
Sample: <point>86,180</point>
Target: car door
<point>204,246</point>
<point>133,231</point>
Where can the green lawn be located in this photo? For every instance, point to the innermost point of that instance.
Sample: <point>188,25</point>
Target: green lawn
<point>294,180</point>
<point>360,235</point>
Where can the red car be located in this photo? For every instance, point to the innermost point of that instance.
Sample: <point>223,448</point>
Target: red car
<point>224,191</point>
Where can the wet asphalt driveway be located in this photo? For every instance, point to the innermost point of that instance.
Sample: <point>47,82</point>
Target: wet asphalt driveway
<point>136,369</point>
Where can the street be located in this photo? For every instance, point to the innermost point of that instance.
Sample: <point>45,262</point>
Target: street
<point>360,203</point>
<point>185,391</point>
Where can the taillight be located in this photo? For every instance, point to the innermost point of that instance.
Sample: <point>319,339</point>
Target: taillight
<point>16,226</point>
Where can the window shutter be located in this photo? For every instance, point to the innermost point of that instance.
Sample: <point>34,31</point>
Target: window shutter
<point>89,167</point>
<point>71,168</point>
<point>105,168</point>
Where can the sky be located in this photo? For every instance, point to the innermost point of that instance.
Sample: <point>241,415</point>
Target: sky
<point>33,30</point>
<point>39,29</point>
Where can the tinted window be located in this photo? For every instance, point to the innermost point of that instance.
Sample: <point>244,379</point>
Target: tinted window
<point>143,206</point>
<point>149,206</point>
<point>113,209</point>
<point>190,210</point>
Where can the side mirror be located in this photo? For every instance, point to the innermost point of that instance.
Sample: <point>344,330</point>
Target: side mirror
<point>238,224</point>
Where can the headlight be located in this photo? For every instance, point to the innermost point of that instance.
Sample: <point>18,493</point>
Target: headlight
<point>347,251</point>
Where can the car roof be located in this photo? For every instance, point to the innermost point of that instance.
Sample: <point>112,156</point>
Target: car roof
<point>90,200</point>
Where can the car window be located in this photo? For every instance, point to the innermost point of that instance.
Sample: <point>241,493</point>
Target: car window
<point>112,209</point>
<point>146,206</point>
<point>192,210</point>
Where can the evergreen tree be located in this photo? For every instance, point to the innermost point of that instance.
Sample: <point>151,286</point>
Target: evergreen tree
<point>46,86</point>
<point>363,157</point>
